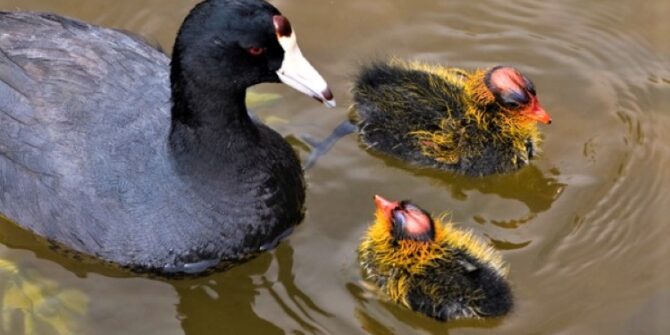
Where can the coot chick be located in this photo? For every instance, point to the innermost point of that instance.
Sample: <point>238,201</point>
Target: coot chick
<point>474,123</point>
<point>109,149</point>
<point>432,267</point>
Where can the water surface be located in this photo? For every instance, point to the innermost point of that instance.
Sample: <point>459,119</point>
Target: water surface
<point>584,228</point>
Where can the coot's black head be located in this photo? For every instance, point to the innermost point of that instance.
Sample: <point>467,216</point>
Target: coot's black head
<point>229,45</point>
<point>515,93</point>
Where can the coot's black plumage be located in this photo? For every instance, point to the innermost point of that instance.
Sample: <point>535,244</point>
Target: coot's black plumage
<point>91,158</point>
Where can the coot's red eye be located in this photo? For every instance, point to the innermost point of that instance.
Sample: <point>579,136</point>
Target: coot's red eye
<point>256,51</point>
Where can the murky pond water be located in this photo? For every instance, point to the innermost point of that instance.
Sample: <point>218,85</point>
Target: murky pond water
<point>585,228</point>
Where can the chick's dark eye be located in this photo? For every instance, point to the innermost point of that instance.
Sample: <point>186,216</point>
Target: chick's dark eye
<point>398,218</point>
<point>256,51</point>
<point>514,99</point>
<point>511,104</point>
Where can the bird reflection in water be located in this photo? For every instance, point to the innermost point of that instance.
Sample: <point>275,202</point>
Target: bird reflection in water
<point>229,298</point>
<point>35,305</point>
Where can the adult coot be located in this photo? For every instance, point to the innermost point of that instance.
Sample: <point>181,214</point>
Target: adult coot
<point>475,123</point>
<point>432,267</point>
<point>98,154</point>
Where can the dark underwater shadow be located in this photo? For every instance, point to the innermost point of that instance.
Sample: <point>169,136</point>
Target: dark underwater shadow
<point>221,303</point>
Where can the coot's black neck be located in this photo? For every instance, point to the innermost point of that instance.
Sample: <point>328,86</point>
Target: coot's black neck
<point>219,112</point>
<point>208,119</point>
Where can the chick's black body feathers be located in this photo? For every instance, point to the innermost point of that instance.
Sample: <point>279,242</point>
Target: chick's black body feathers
<point>419,114</point>
<point>455,287</point>
<point>459,289</point>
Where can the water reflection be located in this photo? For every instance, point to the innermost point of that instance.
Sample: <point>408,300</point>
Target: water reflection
<point>217,304</point>
<point>32,304</point>
<point>229,298</point>
<point>209,298</point>
<point>601,66</point>
<point>530,185</point>
<point>373,310</point>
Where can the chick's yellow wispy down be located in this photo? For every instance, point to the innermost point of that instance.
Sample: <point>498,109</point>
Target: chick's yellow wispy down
<point>453,275</point>
<point>445,117</point>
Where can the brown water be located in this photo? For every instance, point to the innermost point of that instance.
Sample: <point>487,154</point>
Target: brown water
<point>585,228</point>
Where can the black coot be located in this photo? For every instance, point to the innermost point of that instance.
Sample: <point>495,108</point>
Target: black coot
<point>98,154</point>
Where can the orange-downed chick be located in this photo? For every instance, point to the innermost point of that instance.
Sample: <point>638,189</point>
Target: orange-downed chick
<point>432,267</point>
<point>475,123</point>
